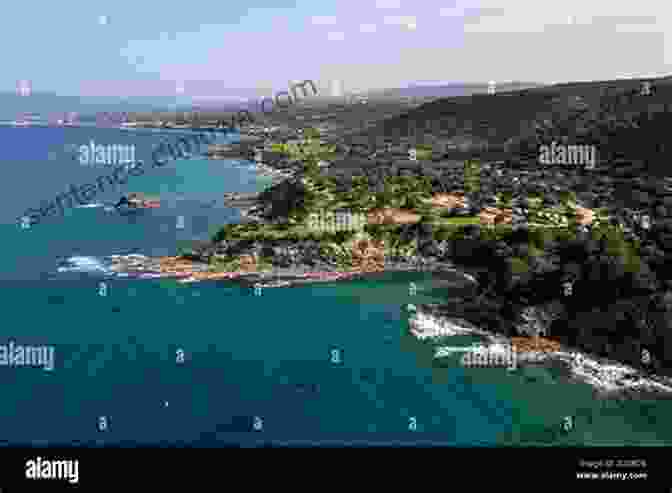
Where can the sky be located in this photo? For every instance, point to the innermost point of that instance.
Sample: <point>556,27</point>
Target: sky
<point>209,49</point>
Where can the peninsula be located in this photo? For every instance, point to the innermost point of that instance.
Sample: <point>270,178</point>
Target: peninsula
<point>576,256</point>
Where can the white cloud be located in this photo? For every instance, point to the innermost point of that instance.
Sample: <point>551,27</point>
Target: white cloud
<point>367,28</point>
<point>388,4</point>
<point>324,20</point>
<point>336,36</point>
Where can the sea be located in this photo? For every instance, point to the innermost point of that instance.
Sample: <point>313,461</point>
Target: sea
<point>154,362</point>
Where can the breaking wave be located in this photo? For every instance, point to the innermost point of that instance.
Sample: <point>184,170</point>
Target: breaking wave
<point>89,206</point>
<point>85,264</point>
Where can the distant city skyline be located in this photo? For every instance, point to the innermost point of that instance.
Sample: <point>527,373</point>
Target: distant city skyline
<point>132,49</point>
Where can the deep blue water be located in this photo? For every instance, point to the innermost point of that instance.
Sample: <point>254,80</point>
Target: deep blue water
<point>245,356</point>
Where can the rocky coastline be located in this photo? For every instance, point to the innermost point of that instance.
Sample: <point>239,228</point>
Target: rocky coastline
<point>608,378</point>
<point>190,270</point>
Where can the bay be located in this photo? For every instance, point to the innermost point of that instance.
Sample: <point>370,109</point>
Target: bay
<point>266,357</point>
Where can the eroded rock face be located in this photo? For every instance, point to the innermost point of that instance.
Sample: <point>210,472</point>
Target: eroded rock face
<point>248,263</point>
<point>390,215</point>
<point>449,201</point>
<point>584,216</point>
<point>504,217</point>
<point>534,344</point>
<point>368,255</point>
<point>174,264</point>
<point>492,216</point>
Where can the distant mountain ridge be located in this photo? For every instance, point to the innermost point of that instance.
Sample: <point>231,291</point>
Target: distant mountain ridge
<point>454,89</point>
<point>624,124</point>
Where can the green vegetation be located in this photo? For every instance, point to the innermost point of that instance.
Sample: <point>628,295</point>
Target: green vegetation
<point>224,264</point>
<point>338,253</point>
<point>311,133</point>
<point>472,176</point>
<point>423,152</point>
<point>519,265</point>
<point>264,263</point>
<point>232,264</point>
<point>459,221</point>
<point>309,150</point>
<point>504,200</point>
<point>270,232</point>
<point>546,226</point>
<point>359,198</point>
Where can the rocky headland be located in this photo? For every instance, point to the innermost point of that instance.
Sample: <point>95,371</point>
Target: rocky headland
<point>608,377</point>
<point>577,256</point>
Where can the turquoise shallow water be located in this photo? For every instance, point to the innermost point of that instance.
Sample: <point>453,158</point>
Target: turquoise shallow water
<point>245,356</point>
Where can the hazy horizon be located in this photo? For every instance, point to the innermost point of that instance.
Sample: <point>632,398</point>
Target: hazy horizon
<point>142,49</point>
<point>244,94</point>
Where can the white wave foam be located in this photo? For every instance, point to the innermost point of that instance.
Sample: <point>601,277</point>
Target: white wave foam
<point>83,264</point>
<point>424,326</point>
<point>444,351</point>
<point>89,206</point>
<point>150,275</point>
<point>130,256</point>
